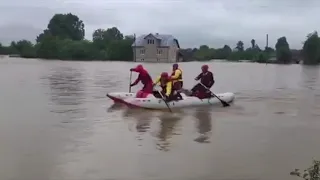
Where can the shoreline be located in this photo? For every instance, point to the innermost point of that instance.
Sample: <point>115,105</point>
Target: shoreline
<point>97,60</point>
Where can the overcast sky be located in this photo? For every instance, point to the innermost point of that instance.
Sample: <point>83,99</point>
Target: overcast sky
<point>192,22</point>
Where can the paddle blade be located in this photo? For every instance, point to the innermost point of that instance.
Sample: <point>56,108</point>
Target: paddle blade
<point>225,104</point>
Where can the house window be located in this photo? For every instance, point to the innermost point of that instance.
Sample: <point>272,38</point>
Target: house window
<point>150,41</point>
<point>159,51</point>
<point>142,51</point>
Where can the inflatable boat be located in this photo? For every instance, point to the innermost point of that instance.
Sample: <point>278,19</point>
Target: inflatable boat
<point>151,102</point>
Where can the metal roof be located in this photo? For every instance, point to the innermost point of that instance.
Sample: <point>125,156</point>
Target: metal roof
<point>165,40</point>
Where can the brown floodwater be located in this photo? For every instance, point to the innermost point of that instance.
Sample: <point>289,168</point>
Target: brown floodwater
<point>57,124</point>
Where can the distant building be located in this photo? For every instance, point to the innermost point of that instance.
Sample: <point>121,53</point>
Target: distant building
<point>156,48</point>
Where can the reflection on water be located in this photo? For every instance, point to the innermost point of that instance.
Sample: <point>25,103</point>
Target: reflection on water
<point>68,102</point>
<point>203,124</point>
<point>310,77</point>
<point>168,124</point>
<point>310,96</point>
<point>67,86</point>
<point>67,92</point>
<point>165,122</point>
<point>142,118</point>
<point>115,107</point>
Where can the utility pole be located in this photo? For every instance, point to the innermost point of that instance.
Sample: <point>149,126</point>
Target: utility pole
<point>134,49</point>
<point>267,48</point>
<point>267,39</point>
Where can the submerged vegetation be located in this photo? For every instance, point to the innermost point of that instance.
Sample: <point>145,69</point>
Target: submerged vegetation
<point>64,39</point>
<point>311,173</point>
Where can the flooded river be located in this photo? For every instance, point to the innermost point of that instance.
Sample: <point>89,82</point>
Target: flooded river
<point>57,124</point>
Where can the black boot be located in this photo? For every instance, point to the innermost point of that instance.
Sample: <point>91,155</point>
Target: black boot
<point>179,97</point>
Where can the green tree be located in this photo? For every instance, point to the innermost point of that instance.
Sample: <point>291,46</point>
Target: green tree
<point>65,26</point>
<point>5,50</point>
<point>261,57</point>
<point>311,49</point>
<point>120,50</point>
<point>102,38</point>
<point>253,43</point>
<point>269,50</point>
<point>44,34</point>
<point>113,34</point>
<point>204,53</point>
<point>129,37</point>
<point>108,35</point>
<point>283,52</point>
<point>78,50</point>
<point>98,38</point>
<point>311,173</point>
<point>13,48</point>
<point>98,35</point>
<point>49,47</point>
<point>239,46</point>
<point>20,45</point>
<point>223,53</point>
<point>25,48</point>
<point>2,49</point>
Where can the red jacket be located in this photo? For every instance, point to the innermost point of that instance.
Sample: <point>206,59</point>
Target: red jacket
<point>206,79</point>
<point>144,77</point>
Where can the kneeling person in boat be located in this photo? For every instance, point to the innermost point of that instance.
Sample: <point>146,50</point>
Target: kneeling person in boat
<point>166,84</point>
<point>145,79</point>
<point>202,89</point>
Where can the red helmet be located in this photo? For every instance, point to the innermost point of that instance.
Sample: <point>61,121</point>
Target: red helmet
<point>205,68</point>
<point>138,68</point>
<point>164,75</point>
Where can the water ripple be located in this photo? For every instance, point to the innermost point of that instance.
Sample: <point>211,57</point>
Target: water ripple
<point>57,123</point>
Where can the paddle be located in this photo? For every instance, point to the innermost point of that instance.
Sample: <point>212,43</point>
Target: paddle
<point>130,82</point>
<point>222,101</point>
<point>165,101</point>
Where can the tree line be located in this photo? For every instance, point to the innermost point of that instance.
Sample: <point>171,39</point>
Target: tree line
<point>64,39</point>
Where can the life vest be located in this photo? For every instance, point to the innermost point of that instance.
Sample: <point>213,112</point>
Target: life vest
<point>164,86</point>
<point>180,76</point>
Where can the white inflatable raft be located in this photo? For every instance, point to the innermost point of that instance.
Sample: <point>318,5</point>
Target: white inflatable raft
<point>152,102</point>
<point>119,96</point>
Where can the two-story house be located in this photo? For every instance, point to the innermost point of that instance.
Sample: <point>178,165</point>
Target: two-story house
<point>156,48</point>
